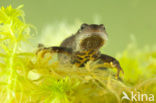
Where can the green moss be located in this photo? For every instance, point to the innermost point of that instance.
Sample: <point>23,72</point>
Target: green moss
<point>27,78</point>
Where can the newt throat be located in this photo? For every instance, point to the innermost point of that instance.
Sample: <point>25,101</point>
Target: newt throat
<point>92,42</point>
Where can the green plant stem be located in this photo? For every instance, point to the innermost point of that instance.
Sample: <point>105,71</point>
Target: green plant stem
<point>11,62</point>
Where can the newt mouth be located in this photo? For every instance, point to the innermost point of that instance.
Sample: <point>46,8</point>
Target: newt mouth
<point>92,42</point>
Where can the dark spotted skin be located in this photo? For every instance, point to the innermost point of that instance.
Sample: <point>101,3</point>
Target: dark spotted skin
<point>81,58</point>
<point>78,49</point>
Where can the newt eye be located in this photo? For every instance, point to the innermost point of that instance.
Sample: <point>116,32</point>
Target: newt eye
<point>101,25</point>
<point>83,26</point>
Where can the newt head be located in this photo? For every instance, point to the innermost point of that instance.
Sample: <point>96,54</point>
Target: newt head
<point>90,37</point>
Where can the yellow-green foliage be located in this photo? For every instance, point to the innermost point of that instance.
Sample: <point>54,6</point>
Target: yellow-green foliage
<point>25,78</point>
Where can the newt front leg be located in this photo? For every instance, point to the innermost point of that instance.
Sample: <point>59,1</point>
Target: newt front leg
<point>43,50</point>
<point>113,63</point>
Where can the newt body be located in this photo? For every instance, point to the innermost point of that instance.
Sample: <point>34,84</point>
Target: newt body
<point>84,46</point>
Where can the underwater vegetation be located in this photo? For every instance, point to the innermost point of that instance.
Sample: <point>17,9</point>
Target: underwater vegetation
<point>26,78</point>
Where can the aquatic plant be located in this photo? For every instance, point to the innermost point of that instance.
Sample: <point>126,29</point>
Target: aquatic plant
<point>24,77</point>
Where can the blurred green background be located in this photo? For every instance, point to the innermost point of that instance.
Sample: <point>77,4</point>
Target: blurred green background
<point>123,18</point>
